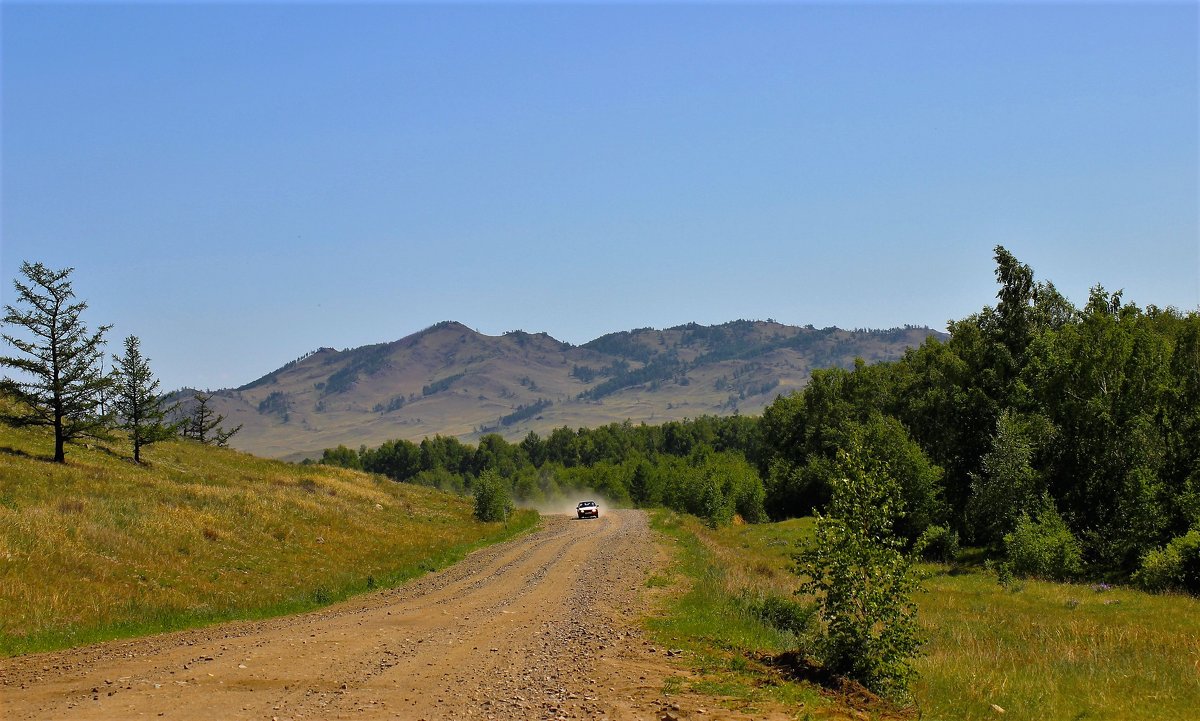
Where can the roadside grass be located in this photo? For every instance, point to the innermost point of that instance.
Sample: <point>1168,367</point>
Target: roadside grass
<point>101,548</point>
<point>1037,650</point>
<point>711,615</point>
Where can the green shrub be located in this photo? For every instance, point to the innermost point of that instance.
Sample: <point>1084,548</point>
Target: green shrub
<point>863,582</point>
<point>1174,566</point>
<point>937,543</point>
<point>1044,548</point>
<point>784,614</point>
<point>492,498</point>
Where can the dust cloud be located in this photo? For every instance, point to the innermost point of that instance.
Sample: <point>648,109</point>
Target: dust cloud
<point>565,505</point>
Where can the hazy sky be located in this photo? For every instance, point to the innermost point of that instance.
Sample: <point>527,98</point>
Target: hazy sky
<point>239,184</point>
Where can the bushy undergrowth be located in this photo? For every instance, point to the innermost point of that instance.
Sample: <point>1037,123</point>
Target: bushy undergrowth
<point>492,502</point>
<point>1044,547</point>
<point>1175,566</point>
<point>937,543</point>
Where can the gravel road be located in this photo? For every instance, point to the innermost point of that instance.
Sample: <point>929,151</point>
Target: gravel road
<point>541,627</point>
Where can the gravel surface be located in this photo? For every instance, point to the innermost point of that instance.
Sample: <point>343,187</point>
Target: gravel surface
<point>541,627</point>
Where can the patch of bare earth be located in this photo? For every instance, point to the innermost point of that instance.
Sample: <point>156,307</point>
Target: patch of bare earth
<point>541,627</point>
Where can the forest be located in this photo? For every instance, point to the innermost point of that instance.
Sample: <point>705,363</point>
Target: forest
<point>1064,441</point>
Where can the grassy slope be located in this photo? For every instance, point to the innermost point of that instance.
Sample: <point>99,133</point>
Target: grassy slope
<point>1043,651</point>
<point>102,548</point>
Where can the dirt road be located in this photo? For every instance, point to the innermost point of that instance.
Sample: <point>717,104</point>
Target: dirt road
<point>541,627</point>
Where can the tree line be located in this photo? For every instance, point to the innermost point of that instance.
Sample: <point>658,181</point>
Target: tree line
<point>62,382</point>
<point>696,466</point>
<point>1064,440</point>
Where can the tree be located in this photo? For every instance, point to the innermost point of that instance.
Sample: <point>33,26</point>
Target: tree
<point>1007,485</point>
<point>341,456</point>
<point>63,382</point>
<point>204,424</point>
<point>137,402</point>
<point>863,581</point>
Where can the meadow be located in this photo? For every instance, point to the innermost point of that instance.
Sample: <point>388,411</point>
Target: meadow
<point>101,547</point>
<point>1032,650</point>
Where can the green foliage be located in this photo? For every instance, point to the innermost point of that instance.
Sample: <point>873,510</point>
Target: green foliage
<point>1098,407</point>
<point>492,499</point>
<point>695,466</point>
<point>786,614</point>
<point>62,385</point>
<point>1043,547</point>
<point>275,403</point>
<point>1007,484</point>
<point>858,572</point>
<point>399,460</point>
<point>1175,566</point>
<point>937,543</point>
<point>341,456</point>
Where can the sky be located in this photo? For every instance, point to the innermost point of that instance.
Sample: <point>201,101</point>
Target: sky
<point>239,184</point>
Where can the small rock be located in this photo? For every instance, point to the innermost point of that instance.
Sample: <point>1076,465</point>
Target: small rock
<point>997,709</point>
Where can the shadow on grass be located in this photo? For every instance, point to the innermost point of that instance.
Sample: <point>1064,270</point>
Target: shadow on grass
<point>799,667</point>
<point>24,454</point>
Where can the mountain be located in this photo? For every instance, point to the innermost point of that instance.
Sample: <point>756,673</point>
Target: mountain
<point>451,380</point>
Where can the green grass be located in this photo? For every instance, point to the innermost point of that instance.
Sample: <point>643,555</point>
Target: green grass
<point>1041,651</point>
<point>710,618</point>
<point>101,548</point>
<point>1056,651</point>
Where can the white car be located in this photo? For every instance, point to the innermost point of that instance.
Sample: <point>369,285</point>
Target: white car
<point>588,509</point>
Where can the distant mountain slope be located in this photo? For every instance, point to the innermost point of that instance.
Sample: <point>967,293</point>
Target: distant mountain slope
<point>451,380</point>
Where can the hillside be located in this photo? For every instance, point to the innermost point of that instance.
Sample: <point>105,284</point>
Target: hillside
<point>451,380</point>
<point>99,547</point>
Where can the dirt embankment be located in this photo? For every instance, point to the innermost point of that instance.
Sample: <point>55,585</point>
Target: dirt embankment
<point>542,627</point>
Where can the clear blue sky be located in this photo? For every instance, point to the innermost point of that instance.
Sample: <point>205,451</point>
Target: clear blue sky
<point>240,184</point>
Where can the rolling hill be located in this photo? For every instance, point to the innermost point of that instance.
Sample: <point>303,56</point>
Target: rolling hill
<point>451,380</point>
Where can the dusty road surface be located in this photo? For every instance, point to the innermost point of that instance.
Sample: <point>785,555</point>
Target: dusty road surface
<point>542,627</point>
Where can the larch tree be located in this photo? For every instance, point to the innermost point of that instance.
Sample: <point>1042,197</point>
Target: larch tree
<point>61,383</point>
<point>204,424</point>
<point>137,403</point>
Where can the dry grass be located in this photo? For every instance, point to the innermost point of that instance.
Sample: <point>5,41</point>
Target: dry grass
<point>100,547</point>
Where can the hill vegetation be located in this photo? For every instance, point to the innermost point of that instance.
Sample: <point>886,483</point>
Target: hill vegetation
<point>450,380</point>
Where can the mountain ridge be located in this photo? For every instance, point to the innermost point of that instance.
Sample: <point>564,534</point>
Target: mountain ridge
<point>448,379</point>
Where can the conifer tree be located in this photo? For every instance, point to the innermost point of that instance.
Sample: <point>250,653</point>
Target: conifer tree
<point>61,383</point>
<point>138,404</point>
<point>204,424</point>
